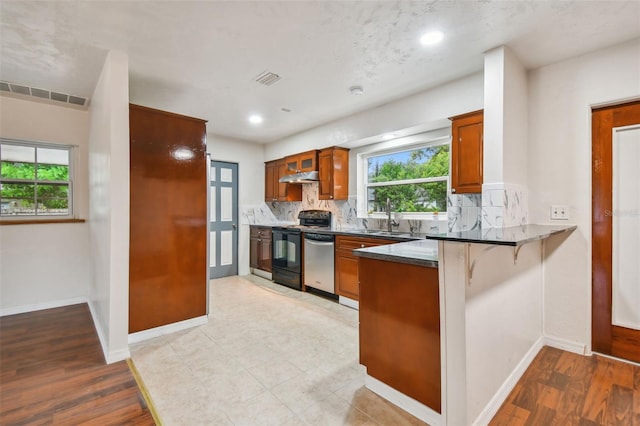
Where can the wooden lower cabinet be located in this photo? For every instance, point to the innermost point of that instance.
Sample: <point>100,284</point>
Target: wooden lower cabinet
<point>346,263</point>
<point>260,245</point>
<point>399,312</point>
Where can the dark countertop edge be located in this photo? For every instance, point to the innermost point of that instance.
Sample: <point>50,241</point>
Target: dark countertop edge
<point>396,259</point>
<point>396,253</point>
<point>460,237</point>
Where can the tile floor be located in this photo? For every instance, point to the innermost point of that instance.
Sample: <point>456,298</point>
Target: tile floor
<point>268,356</point>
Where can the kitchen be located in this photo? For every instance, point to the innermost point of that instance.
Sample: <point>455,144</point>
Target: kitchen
<point>553,92</point>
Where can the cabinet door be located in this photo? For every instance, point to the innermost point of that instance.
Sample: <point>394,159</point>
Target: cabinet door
<point>308,161</point>
<point>270,181</point>
<point>466,153</point>
<point>264,261</point>
<point>325,174</point>
<point>347,276</point>
<point>254,246</point>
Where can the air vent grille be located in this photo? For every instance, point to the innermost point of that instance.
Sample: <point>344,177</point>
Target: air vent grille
<point>20,89</point>
<point>268,78</point>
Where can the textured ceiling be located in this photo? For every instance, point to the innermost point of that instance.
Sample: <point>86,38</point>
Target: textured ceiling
<point>200,58</point>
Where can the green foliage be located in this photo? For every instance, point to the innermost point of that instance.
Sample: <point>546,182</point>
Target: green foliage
<point>50,196</point>
<point>421,197</point>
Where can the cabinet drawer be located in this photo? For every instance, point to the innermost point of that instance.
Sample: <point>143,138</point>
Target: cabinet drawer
<point>260,232</point>
<point>351,243</point>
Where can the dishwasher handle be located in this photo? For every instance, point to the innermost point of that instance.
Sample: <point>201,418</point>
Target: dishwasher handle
<point>318,243</point>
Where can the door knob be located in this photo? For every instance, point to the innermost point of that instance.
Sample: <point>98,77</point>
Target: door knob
<point>234,226</point>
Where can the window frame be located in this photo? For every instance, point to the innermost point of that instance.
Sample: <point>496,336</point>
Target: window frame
<point>70,192</point>
<point>400,146</point>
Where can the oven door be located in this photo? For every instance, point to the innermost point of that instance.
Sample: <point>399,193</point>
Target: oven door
<point>287,248</point>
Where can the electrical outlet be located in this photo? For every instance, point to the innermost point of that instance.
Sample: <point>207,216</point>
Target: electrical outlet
<point>559,212</point>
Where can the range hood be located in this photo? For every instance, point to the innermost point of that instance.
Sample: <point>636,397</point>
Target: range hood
<point>304,177</point>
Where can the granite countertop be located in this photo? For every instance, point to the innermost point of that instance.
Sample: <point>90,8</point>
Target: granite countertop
<point>511,236</point>
<point>419,252</point>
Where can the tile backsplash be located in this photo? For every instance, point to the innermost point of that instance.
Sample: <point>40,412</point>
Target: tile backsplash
<point>344,214</point>
<point>499,206</point>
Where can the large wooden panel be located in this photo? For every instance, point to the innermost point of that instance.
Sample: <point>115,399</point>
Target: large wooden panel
<point>333,174</point>
<point>400,327</point>
<point>168,228</point>
<point>271,181</point>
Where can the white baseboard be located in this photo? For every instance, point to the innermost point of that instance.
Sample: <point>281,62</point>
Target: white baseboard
<point>503,392</point>
<point>403,401</point>
<point>167,329</point>
<point>566,345</point>
<point>349,302</point>
<point>109,356</point>
<point>41,306</point>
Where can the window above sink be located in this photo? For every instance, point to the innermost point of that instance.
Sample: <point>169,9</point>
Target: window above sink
<point>414,176</point>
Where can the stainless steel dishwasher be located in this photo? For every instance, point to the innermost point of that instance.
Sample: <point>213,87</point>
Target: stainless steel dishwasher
<point>319,261</point>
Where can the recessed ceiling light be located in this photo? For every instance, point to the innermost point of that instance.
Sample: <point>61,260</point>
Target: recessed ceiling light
<point>432,37</point>
<point>255,119</point>
<point>356,90</point>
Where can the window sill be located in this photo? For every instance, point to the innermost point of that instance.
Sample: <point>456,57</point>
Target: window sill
<point>38,221</point>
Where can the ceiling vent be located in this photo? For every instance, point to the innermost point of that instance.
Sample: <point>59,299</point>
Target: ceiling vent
<point>19,89</point>
<point>267,78</point>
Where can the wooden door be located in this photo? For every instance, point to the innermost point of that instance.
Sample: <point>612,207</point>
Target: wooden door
<point>168,218</point>
<point>616,231</point>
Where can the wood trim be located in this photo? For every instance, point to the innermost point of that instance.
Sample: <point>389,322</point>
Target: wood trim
<point>607,338</point>
<point>40,221</point>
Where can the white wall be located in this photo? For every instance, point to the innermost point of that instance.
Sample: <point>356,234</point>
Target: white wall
<point>559,171</point>
<point>250,159</point>
<point>109,206</point>
<point>505,118</point>
<point>430,106</point>
<point>47,265</point>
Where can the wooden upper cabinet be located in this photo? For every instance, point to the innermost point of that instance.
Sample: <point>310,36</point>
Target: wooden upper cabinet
<point>287,191</point>
<point>333,174</point>
<point>466,153</point>
<point>273,189</point>
<point>303,162</point>
<point>271,181</point>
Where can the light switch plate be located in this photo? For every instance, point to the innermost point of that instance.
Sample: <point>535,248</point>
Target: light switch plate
<point>559,212</point>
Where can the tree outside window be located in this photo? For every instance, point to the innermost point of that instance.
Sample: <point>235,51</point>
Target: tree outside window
<point>34,179</point>
<point>414,180</point>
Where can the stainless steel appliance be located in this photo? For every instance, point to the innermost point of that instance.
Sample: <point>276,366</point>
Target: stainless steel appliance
<point>286,259</point>
<point>319,261</point>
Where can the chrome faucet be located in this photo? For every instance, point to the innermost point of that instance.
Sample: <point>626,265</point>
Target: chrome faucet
<point>390,222</point>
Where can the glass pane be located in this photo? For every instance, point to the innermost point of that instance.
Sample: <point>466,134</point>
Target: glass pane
<point>412,164</point>
<point>626,229</point>
<point>53,199</point>
<point>17,199</point>
<point>53,172</point>
<point>17,170</point>
<point>53,156</point>
<point>417,197</point>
